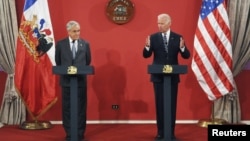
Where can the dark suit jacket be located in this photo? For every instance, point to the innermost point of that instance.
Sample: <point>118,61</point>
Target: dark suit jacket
<point>64,57</point>
<point>163,58</point>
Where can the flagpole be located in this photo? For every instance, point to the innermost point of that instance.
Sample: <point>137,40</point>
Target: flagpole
<point>36,124</point>
<point>213,121</point>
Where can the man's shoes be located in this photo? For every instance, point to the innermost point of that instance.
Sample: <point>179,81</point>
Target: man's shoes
<point>79,140</point>
<point>173,138</point>
<point>68,139</point>
<point>158,137</point>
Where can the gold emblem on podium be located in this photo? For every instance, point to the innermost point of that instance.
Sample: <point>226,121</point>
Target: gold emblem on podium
<point>167,69</point>
<point>72,70</point>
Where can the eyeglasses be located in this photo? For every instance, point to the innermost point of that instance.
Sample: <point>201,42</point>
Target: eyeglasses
<point>75,31</point>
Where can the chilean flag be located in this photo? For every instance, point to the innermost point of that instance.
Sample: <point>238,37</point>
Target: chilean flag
<point>35,51</point>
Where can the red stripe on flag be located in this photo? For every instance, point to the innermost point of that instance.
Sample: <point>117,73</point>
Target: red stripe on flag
<point>222,50</point>
<point>201,65</point>
<point>207,77</point>
<point>217,39</point>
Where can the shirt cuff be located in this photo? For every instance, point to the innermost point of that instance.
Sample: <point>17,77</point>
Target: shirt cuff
<point>182,49</point>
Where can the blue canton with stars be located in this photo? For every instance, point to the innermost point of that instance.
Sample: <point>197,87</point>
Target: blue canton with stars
<point>208,6</point>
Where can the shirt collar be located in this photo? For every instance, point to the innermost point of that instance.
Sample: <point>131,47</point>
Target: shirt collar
<point>167,33</point>
<point>70,40</point>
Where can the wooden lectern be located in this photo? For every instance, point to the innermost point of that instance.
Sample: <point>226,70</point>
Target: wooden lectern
<point>73,71</point>
<point>167,69</point>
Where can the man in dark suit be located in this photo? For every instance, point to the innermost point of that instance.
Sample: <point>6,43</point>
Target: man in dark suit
<point>165,45</point>
<point>75,51</point>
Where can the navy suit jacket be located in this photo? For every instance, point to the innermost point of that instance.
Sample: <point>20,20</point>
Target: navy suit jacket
<point>161,57</point>
<point>64,57</point>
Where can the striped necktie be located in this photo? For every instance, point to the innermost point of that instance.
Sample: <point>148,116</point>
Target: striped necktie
<point>73,49</point>
<point>165,42</point>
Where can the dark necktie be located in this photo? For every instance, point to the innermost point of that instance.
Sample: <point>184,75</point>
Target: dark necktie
<point>73,49</point>
<point>165,42</point>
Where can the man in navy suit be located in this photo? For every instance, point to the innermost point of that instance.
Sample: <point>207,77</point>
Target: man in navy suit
<point>165,46</point>
<point>64,56</point>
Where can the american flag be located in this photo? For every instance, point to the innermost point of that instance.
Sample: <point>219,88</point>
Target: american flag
<point>212,53</point>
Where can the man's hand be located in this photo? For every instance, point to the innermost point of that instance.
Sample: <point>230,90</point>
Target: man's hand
<point>181,42</point>
<point>147,44</point>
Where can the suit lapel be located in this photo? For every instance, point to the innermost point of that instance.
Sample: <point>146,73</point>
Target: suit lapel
<point>68,48</point>
<point>170,40</point>
<point>80,47</point>
<point>161,40</point>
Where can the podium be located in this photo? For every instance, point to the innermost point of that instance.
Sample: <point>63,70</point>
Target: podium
<point>73,71</point>
<point>165,70</point>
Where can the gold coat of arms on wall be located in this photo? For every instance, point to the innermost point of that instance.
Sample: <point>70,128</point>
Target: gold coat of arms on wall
<point>120,11</point>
